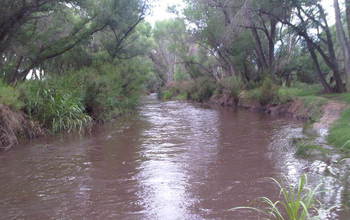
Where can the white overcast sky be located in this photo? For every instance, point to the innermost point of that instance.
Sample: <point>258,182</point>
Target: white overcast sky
<point>160,10</point>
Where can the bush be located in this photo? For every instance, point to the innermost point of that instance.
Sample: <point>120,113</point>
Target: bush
<point>110,90</point>
<point>202,89</point>
<point>182,96</point>
<point>10,96</point>
<point>167,95</point>
<point>233,85</point>
<point>56,108</point>
<point>267,93</point>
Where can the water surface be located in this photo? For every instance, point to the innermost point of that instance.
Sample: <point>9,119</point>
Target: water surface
<point>171,160</point>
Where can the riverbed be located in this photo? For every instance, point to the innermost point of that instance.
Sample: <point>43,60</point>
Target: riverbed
<point>169,160</point>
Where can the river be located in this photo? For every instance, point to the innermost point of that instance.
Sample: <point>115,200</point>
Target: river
<point>170,160</point>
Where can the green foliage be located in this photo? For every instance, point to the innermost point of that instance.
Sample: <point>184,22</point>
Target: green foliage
<point>305,149</point>
<point>167,95</point>
<point>296,202</point>
<point>339,134</point>
<point>57,109</point>
<point>110,90</point>
<point>233,85</point>
<point>298,89</point>
<point>202,89</point>
<point>71,101</point>
<point>267,93</point>
<point>58,36</point>
<point>345,97</point>
<point>10,96</point>
<point>182,96</point>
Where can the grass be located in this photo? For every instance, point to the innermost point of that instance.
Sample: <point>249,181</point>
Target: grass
<point>181,96</point>
<point>345,97</point>
<point>296,202</point>
<point>300,90</point>
<point>304,149</point>
<point>339,134</point>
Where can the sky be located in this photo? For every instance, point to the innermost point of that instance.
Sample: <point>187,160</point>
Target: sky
<point>160,9</point>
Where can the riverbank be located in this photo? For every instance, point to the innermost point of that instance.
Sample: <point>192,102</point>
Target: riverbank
<point>325,116</point>
<point>68,102</point>
<point>15,125</point>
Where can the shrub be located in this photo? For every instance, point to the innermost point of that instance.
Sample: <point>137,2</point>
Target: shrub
<point>112,91</point>
<point>267,93</point>
<point>233,85</point>
<point>57,109</point>
<point>10,96</point>
<point>167,95</point>
<point>181,96</point>
<point>202,89</point>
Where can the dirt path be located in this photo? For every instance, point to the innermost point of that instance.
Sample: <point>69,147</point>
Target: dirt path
<point>331,112</point>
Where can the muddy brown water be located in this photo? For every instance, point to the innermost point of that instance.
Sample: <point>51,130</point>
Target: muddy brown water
<point>171,160</point>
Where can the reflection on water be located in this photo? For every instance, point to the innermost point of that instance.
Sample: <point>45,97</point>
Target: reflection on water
<point>171,160</point>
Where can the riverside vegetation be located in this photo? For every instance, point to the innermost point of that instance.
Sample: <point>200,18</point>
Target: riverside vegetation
<point>65,64</point>
<point>297,202</point>
<point>94,64</point>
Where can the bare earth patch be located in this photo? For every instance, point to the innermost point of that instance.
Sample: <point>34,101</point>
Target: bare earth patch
<point>13,125</point>
<point>331,113</point>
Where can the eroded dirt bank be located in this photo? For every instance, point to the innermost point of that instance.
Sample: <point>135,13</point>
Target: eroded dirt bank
<point>329,112</point>
<point>15,125</point>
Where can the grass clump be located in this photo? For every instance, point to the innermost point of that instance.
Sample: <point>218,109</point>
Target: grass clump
<point>305,149</point>
<point>296,202</point>
<point>339,134</point>
<point>56,109</point>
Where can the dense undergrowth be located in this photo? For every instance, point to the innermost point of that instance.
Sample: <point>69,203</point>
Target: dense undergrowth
<point>265,92</point>
<point>74,100</point>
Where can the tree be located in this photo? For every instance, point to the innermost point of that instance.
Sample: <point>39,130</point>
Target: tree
<point>305,16</point>
<point>39,30</point>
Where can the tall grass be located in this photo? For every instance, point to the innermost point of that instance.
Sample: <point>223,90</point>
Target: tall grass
<point>56,109</point>
<point>296,202</point>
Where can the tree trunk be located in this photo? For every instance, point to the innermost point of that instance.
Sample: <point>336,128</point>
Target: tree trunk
<point>343,41</point>
<point>347,5</point>
<point>323,81</point>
